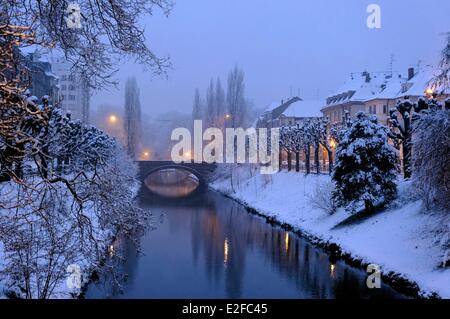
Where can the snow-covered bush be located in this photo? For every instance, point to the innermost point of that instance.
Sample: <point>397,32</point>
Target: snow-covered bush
<point>322,197</point>
<point>365,168</point>
<point>431,158</point>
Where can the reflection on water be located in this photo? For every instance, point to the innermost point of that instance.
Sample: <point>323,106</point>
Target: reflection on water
<point>210,247</point>
<point>172,182</point>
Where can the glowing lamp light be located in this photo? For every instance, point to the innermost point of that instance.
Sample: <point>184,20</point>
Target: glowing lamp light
<point>111,250</point>
<point>187,154</point>
<point>227,116</point>
<point>332,143</point>
<point>112,119</point>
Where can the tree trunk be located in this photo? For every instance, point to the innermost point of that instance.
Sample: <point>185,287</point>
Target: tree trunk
<point>308,159</point>
<point>407,148</point>
<point>297,161</point>
<point>19,153</point>
<point>280,158</point>
<point>289,159</point>
<point>407,156</point>
<point>316,158</point>
<point>330,160</point>
<point>368,206</point>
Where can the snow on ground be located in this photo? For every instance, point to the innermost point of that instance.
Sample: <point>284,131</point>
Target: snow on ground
<point>399,239</point>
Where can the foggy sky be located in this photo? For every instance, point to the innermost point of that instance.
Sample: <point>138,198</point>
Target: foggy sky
<point>283,46</point>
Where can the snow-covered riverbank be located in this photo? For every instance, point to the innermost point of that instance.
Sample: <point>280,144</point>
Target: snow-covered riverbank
<point>399,239</point>
<point>73,277</point>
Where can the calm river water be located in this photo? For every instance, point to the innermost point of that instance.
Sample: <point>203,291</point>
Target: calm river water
<point>208,246</point>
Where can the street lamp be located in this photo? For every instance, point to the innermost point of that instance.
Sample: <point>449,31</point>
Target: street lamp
<point>112,119</point>
<point>145,155</point>
<point>227,116</point>
<point>332,143</point>
<point>429,93</point>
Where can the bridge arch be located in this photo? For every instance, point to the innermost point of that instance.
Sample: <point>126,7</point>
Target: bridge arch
<point>196,173</point>
<point>203,171</point>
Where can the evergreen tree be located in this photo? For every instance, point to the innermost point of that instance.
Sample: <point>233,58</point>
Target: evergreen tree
<point>365,169</point>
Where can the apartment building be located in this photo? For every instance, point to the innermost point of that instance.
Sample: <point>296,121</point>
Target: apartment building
<point>42,80</point>
<point>378,93</point>
<point>74,91</point>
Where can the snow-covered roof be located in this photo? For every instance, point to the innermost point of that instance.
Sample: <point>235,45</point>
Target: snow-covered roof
<point>365,87</point>
<point>417,85</point>
<point>391,87</point>
<point>359,87</point>
<point>271,107</point>
<point>304,108</point>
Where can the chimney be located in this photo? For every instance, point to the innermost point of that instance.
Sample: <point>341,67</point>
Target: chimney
<point>367,75</point>
<point>410,73</point>
<point>282,102</point>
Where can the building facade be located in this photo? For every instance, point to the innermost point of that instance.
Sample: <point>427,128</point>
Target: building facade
<point>42,80</point>
<point>377,94</point>
<point>74,91</point>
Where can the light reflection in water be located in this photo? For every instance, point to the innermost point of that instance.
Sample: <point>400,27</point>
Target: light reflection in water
<point>172,182</point>
<point>333,270</point>
<point>208,246</point>
<point>225,251</point>
<point>286,242</point>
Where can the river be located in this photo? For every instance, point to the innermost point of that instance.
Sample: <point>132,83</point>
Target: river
<point>209,246</point>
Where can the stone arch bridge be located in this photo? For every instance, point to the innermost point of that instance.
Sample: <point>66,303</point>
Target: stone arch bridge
<point>203,171</point>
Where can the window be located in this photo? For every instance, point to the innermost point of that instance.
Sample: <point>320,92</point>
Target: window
<point>71,77</point>
<point>71,87</point>
<point>72,97</point>
<point>63,87</point>
<point>64,77</point>
<point>385,109</point>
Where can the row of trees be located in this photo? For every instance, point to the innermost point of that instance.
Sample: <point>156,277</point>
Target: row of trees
<point>366,159</point>
<point>317,132</point>
<point>221,110</point>
<point>302,137</point>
